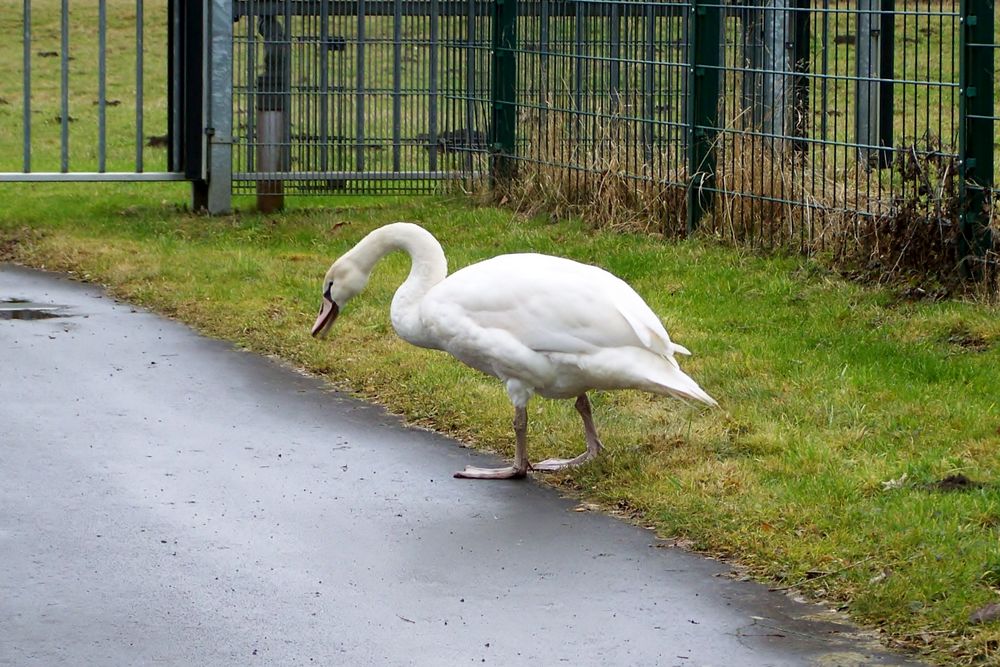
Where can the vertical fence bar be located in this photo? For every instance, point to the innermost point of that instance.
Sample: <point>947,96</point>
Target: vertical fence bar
<point>615,28</point>
<point>359,94</point>
<point>579,60</point>
<point>138,85</point>
<point>173,85</point>
<point>649,58</point>
<point>470,81</point>
<point>801,52</point>
<point>703,112</point>
<point>64,88</point>
<point>976,115</point>
<point>397,57</point>
<point>825,69</point>
<point>544,48</point>
<point>324,85</point>
<point>887,71</point>
<point>432,98</point>
<point>504,123</point>
<point>102,74</point>
<point>26,105</point>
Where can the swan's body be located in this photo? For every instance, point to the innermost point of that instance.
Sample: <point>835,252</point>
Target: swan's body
<point>541,324</point>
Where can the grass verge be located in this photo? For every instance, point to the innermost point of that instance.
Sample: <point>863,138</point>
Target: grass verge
<point>843,407</point>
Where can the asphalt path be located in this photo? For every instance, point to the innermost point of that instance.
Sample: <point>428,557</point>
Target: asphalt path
<point>167,499</point>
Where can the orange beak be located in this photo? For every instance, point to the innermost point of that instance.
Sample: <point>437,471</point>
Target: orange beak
<point>327,315</point>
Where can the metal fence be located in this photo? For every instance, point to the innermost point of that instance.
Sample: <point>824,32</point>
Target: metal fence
<point>786,120</point>
<point>117,90</point>
<point>772,121</point>
<point>355,96</point>
<point>789,121</point>
<point>92,108</point>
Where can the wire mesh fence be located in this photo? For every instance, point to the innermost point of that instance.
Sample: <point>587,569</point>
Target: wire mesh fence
<point>834,114</point>
<point>603,104</point>
<point>774,122</point>
<point>821,124</point>
<point>359,96</point>
<point>819,108</point>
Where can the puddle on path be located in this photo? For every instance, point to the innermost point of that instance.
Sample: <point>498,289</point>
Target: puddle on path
<point>22,309</point>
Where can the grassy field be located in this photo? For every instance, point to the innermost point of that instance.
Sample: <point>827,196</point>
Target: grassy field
<point>843,408</point>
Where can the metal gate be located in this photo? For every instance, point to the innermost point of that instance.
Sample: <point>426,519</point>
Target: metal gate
<point>118,90</point>
<point>359,95</point>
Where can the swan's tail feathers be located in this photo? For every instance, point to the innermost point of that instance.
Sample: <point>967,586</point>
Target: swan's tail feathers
<point>680,349</point>
<point>677,383</point>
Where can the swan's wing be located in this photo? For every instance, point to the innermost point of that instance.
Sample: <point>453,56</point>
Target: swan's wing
<point>548,304</point>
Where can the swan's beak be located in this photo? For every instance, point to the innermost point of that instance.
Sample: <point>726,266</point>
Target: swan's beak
<point>327,314</point>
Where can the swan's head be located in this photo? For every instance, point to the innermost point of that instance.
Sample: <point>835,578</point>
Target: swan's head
<point>342,283</point>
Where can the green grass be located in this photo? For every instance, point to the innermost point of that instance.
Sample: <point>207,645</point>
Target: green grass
<point>828,389</point>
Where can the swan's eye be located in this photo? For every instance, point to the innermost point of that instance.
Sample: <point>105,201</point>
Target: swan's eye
<point>326,292</point>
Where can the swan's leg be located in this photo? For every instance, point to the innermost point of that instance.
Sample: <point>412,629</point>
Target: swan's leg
<point>520,467</point>
<point>594,445</point>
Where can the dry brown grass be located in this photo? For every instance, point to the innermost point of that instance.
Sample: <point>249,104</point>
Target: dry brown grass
<point>990,284</point>
<point>608,181</point>
<point>899,224</point>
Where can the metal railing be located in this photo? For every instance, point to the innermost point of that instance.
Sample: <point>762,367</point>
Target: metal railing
<point>65,134</point>
<point>355,96</point>
<point>774,121</point>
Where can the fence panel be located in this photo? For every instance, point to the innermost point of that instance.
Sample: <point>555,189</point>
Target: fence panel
<point>88,109</point>
<point>603,104</point>
<point>773,122</point>
<point>827,113</point>
<point>875,122</point>
<point>360,95</point>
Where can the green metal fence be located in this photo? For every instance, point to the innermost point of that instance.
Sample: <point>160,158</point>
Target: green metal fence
<point>360,96</point>
<point>830,125</point>
<point>777,122</point>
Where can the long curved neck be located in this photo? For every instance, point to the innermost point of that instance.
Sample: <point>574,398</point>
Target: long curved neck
<point>428,267</point>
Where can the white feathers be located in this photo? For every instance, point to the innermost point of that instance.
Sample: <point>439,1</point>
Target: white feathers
<point>541,324</point>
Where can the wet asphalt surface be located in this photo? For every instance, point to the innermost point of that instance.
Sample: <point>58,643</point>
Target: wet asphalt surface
<point>167,499</point>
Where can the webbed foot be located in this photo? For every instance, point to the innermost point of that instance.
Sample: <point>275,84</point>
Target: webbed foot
<point>508,472</point>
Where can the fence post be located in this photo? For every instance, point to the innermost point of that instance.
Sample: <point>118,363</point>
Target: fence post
<point>704,29</point>
<point>774,109</point>
<point>272,100</point>
<point>976,117</point>
<point>504,117</point>
<point>219,131</point>
<point>874,88</point>
<point>186,116</point>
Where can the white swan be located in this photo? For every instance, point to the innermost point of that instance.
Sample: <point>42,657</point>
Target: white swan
<point>541,324</point>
